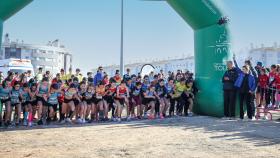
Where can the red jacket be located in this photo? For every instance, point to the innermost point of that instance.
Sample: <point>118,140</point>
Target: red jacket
<point>263,81</point>
<point>277,82</point>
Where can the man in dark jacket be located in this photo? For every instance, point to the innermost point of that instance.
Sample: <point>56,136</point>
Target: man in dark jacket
<point>229,79</point>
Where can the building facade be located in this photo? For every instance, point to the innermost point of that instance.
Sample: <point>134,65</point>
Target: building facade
<point>266,55</point>
<point>184,64</point>
<point>51,57</point>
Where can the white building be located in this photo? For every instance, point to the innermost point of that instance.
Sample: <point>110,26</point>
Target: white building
<point>266,55</point>
<point>184,64</point>
<point>51,57</point>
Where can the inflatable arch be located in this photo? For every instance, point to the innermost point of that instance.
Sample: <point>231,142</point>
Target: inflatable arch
<point>211,43</point>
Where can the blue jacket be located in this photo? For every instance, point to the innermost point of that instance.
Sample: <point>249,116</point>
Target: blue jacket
<point>251,79</point>
<point>98,77</point>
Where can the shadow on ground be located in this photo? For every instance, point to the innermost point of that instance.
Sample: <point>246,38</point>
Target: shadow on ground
<point>260,133</point>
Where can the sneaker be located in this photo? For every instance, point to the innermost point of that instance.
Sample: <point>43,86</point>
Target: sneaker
<point>128,118</point>
<point>106,119</point>
<point>84,121</point>
<point>161,116</point>
<point>79,121</point>
<point>151,117</point>
<point>68,120</point>
<point>139,117</point>
<point>114,119</point>
<point>40,122</point>
<point>157,116</point>
<point>30,124</point>
<point>266,117</point>
<point>190,114</point>
<point>145,115</point>
<point>25,123</point>
<point>119,119</point>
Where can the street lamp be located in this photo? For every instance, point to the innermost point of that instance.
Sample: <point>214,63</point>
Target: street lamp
<point>121,53</point>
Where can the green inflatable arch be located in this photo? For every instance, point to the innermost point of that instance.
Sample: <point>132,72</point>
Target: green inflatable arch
<point>211,38</point>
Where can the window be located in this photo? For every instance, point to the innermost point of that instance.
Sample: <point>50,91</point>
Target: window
<point>49,59</point>
<point>12,53</point>
<point>41,58</point>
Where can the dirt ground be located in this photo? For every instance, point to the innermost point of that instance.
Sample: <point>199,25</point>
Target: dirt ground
<point>176,137</point>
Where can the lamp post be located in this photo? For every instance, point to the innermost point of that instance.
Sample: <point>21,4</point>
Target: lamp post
<point>121,51</point>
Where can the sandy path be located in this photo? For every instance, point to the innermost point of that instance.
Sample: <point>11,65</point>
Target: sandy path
<point>178,137</point>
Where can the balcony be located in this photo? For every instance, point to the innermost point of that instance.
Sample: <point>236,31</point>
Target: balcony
<point>44,55</point>
<point>45,63</point>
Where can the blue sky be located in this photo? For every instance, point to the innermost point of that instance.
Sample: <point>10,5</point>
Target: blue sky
<point>90,29</point>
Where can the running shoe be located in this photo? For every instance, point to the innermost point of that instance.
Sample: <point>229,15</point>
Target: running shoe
<point>40,122</point>
<point>151,117</point>
<point>25,123</point>
<point>84,121</point>
<point>145,115</point>
<point>190,114</point>
<point>68,120</point>
<point>62,122</point>
<point>30,124</point>
<point>79,121</point>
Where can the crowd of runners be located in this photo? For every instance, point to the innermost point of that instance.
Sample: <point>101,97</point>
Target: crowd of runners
<point>72,98</point>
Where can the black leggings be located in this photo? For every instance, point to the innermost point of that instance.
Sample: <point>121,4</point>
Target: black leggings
<point>270,96</point>
<point>247,97</point>
<point>172,104</point>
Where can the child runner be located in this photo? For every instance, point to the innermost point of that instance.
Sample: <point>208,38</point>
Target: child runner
<point>109,97</point>
<point>15,101</point>
<point>42,92</point>
<point>161,93</point>
<point>150,100</point>
<point>136,99</point>
<point>26,105</point>
<point>100,92</point>
<point>262,86</point>
<point>5,91</point>
<point>121,99</point>
<point>68,104</point>
<point>52,101</point>
<point>170,101</point>
<point>89,98</point>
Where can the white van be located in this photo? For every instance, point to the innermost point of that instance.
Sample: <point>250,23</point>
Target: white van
<point>16,65</point>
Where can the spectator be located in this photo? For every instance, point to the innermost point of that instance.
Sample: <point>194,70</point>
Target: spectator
<point>127,75</point>
<point>39,75</point>
<point>246,87</point>
<point>99,76</point>
<point>228,80</point>
<point>79,75</point>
